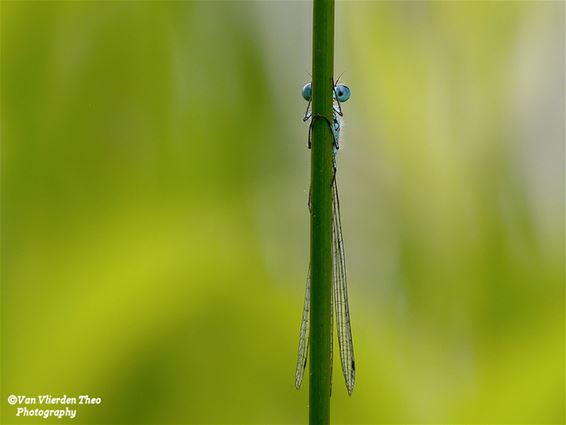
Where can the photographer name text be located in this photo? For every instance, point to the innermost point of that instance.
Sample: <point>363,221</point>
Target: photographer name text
<point>48,405</point>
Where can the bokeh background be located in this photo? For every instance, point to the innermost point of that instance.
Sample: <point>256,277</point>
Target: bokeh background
<point>155,227</point>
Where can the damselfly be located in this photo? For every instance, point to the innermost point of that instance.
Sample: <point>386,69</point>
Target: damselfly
<point>341,93</point>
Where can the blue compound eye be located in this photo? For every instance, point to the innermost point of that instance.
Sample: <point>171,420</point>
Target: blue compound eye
<point>342,92</point>
<point>307,92</point>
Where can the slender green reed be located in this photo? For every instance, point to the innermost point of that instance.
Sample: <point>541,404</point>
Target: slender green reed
<point>321,212</point>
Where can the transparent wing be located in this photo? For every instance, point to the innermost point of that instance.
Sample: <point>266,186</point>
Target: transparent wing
<point>304,338</point>
<point>340,296</point>
<point>304,335</point>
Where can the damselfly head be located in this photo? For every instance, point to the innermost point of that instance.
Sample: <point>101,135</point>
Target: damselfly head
<point>307,92</point>
<point>341,92</point>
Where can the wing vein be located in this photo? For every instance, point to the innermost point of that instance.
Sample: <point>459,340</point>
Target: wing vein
<point>304,335</point>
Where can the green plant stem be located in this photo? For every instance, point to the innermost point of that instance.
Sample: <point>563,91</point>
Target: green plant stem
<point>321,212</point>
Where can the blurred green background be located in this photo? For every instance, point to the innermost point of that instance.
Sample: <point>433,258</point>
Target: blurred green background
<point>155,227</point>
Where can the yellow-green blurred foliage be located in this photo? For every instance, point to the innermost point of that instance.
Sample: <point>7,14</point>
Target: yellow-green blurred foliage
<point>155,227</point>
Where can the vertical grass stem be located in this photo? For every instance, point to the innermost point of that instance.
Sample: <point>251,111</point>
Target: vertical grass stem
<point>321,212</point>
